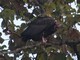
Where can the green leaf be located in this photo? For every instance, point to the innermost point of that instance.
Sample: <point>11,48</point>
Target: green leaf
<point>11,27</point>
<point>42,56</point>
<point>57,56</point>
<point>23,25</point>
<point>3,23</point>
<point>26,57</point>
<point>25,1</point>
<point>0,33</point>
<point>8,14</point>
<point>69,1</point>
<point>49,49</point>
<point>1,40</point>
<point>2,47</point>
<point>48,7</point>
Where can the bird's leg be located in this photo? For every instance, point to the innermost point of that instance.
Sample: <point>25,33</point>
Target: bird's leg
<point>44,40</point>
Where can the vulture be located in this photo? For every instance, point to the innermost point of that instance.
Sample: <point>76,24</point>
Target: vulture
<point>39,28</point>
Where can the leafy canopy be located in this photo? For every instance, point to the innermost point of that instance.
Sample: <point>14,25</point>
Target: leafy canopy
<point>67,37</point>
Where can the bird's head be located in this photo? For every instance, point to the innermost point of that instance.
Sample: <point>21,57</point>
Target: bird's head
<point>57,24</point>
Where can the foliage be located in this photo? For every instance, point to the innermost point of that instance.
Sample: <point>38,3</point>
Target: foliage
<point>68,37</point>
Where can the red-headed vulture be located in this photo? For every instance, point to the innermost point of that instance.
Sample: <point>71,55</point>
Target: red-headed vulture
<point>38,28</point>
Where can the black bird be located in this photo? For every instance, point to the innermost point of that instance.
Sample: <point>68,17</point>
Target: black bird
<point>39,28</point>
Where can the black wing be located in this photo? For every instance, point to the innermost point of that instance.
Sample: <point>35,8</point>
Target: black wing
<point>33,31</point>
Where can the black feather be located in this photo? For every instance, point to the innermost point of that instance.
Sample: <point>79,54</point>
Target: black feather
<point>41,26</point>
